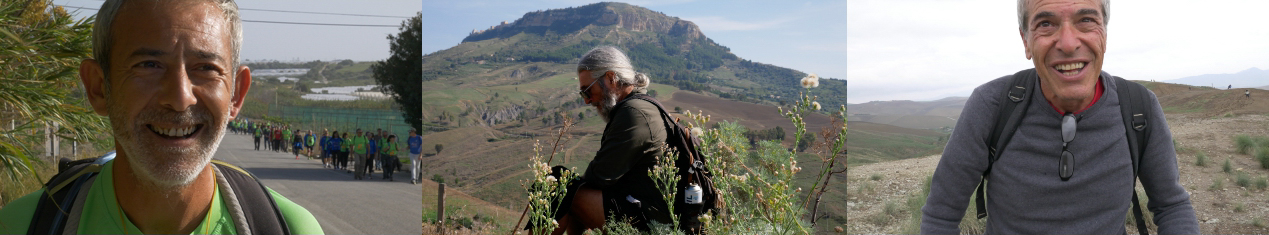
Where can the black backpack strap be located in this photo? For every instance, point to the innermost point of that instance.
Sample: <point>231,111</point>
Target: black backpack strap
<point>1132,105</point>
<point>261,212</point>
<point>1008,118</point>
<point>61,193</point>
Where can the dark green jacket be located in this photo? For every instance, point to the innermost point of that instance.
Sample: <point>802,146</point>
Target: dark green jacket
<point>632,140</point>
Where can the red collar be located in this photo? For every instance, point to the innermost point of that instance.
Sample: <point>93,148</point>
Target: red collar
<point>1097,95</point>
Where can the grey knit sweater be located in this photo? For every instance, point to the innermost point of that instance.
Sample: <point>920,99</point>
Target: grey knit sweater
<point>1025,194</point>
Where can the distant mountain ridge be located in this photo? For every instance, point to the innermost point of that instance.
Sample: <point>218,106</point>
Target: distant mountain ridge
<point>1252,77</point>
<point>672,51</point>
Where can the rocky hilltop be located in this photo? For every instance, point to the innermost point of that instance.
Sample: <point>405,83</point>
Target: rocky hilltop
<point>572,19</point>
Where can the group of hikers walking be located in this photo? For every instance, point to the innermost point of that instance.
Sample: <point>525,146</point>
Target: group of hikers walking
<point>369,151</point>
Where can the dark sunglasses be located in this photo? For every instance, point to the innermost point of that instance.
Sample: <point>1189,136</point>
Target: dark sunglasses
<point>1066,164</point>
<point>586,92</point>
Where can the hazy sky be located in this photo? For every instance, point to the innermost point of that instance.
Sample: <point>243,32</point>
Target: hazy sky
<point>808,36</point>
<point>285,42</point>
<point>930,49</point>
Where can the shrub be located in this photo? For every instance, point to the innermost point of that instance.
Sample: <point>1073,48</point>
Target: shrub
<point>1263,157</point>
<point>1227,168</point>
<point>1258,222</point>
<point>1244,144</point>
<point>1239,208</point>
<point>1200,159</point>
<point>438,178</point>
<point>1242,180</point>
<point>1217,184</point>
<point>875,177</point>
<point>891,209</point>
<point>1262,183</point>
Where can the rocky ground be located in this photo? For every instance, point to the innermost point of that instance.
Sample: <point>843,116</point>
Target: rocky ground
<point>1229,209</point>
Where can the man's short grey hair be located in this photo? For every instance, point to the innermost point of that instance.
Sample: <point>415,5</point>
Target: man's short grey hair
<point>102,35</point>
<point>608,58</point>
<point>1022,14</point>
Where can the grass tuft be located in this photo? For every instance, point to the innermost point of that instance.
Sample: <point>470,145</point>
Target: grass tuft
<point>1258,222</point>
<point>1239,208</point>
<point>1244,144</point>
<point>1227,168</point>
<point>1262,156</point>
<point>1200,159</point>
<point>875,177</point>
<point>1262,183</point>
<point>1217,184</point>
<point>1242,179</point>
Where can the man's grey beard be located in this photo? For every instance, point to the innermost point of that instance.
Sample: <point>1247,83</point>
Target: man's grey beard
<point>167,167</point>
<point>607,104</point>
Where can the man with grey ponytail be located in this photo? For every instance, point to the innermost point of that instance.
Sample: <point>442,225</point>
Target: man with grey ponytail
<point>616,182</point>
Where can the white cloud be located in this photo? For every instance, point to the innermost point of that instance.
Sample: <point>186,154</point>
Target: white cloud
<point>924,49</point>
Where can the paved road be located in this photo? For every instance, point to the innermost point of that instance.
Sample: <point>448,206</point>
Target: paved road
<point>342,205</point>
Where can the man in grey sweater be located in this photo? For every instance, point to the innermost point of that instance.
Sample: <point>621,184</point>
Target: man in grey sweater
<point>1066,41</point>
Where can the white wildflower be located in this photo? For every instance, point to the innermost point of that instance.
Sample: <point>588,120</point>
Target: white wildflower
<point>550,178</point>
<point>696,131</point>
<point>815,105</point>
<point>811,80</point>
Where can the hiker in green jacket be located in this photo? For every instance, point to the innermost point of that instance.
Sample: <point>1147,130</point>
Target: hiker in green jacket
<point>359,145</point>
<point>388,152</point>
<point>166,74</point>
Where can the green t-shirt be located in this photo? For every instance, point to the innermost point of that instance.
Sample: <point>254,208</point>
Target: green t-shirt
<point>286,135</point>
<point>102,215</point>
<point>359,144</point>
<point>389,148</point>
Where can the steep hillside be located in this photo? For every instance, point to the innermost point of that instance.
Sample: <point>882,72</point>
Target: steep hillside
<point>489,99</point>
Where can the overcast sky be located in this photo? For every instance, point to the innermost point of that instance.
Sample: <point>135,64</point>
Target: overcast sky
<point>930,49</point>
<point>285,42</point>
<point>808,36</point>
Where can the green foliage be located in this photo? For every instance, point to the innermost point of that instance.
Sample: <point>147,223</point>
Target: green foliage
<point>401,74</point>
<point>1200,159</point>
<point>439,147</point>
<point>1262,183</point>
<point>1258,222</point>
<point>40,51</point>
<point>1239,208</point>
<point>1226,167</point>
<point>1262,156</point>
<point>1242,180</point>
<point>875,177</point>
<point>1217,184</point>
<point>438,178</point>
<point>1244,144</point>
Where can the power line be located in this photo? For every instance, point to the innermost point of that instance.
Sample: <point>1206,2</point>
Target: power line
<point>316,13</point>
<point>323,13</point>
<point>325,24</point>
<point>281,22</point>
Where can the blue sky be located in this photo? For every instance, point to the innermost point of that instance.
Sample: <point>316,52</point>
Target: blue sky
<point>808,36</point>
<point>931,49</point>
<point>285,42</point>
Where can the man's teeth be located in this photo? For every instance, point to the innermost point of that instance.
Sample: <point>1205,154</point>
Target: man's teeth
<point>174,132</point>
<point>1070,66</point>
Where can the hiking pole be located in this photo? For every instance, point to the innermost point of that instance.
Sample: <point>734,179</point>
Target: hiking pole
<point>568,122</point>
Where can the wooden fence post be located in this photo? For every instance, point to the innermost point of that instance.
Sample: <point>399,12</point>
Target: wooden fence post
<point>440,208</point>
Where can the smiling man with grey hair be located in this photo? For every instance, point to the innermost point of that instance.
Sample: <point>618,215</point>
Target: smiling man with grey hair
<point>1059,147</point>
<point>166,73</point>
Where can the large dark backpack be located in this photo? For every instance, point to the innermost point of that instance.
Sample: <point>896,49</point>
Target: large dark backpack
<point>1133,100</point>
<point>691,170</point>
<point>61,203</point>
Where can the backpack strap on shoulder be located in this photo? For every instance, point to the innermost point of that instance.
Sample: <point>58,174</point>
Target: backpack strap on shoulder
<point>258,209</point>
<point>57,208</point>
<point>1008,116</point>
<point>1132,105</point>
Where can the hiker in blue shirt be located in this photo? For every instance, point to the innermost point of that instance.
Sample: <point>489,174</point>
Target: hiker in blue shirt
<point>372,150</point>
<point>416,155</point>
<point>323,149</point>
